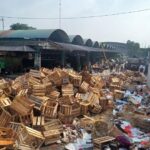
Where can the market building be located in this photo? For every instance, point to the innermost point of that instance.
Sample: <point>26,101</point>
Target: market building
<point>50,48</point>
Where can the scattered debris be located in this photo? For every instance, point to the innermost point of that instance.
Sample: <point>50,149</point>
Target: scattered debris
<point>63,107</point>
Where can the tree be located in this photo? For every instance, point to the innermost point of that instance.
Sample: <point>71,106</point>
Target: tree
<point>20,26</point>
<point>133,48</point>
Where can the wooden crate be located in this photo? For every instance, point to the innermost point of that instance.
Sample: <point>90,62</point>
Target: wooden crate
<point>37,121</point>
<point>51,136</point>
<point>5,102</point>
<point>39,90</point>
<point>76,110</point>
<point>38,101</point>
<point>66,110</point>
<point>118,94</point>
<point>35,73</point>
<point>3,84</point>
<point>56,78</point>
<point>67,90</point>
<point>84,87</point>
<point>53,124</point>
<point>73,110</point>
<point>54,95</point>
<point>33,80</point>
<point>26,120</point>
<point>50,109</point>
<point>66,100</point>
<point>16,127</point>
<point>84,108</point>
<point>7,136</point>
<point>75,79</point>
<point>30,137</point>
<point>98,142</point>
<point>65,119</point>
<point>22,105</point>
<point>103,103</point>
<point>5,118</point>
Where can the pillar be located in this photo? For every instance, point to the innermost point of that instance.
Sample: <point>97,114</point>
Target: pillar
<point>63,59</point>
<point>37,60</point>
<point>88,61</point>
<point>78,63</point>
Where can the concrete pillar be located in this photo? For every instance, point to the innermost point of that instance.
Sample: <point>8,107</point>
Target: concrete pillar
<point>78,63</point>
<point>63,59</point>
<point>88,61</point>
<point>148,76</point>
<point>37,60</point>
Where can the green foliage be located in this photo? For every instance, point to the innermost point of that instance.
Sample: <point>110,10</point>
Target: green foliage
<point>20,26</point>
<point>133,48</point>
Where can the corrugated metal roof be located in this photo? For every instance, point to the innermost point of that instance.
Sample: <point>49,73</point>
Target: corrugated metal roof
<point>51,34</point>
<point>88,42</point>
<point>26,34</point>
<point>72,47</point>
<point>76,39</point>
<point>96,44</point>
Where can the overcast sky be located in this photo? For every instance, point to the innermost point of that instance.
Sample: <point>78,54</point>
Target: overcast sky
<point>120,28</point>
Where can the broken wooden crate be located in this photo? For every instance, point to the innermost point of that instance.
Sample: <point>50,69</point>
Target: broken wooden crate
<point>51,136</point>
<point>30,137</point>
<point>5,117</point>
<point>7,136</point>
<point>53,124</point>
<point>99,142</point>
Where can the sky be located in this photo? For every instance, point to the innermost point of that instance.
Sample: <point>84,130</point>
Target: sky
<point>135,26</point>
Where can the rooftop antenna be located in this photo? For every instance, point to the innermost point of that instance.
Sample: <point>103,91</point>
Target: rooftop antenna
<point>59,14</point>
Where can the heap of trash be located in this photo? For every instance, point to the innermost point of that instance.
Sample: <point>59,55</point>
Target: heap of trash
<point>64,109</point>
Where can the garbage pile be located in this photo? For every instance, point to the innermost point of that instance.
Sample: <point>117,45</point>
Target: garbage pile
<point>72,110</point>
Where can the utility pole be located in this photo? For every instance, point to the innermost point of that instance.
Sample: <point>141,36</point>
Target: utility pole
<point>59,14</point>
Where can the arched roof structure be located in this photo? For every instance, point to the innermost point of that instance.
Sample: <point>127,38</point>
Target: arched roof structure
<point>96,44</point>
<point>76,39</point>
<point>55,35</point>
<point>88,42</point>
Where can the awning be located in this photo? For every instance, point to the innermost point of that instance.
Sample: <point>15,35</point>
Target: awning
<point>16,48</point>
